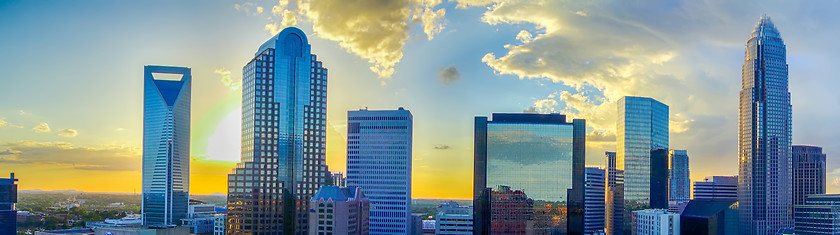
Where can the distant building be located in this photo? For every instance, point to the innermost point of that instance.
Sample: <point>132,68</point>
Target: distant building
<point>339,179</point>
<point>200,218</point>
<point>717,188</point>
<point>379,150</point>
<point>614,202</point>
<point>641,128</point>
<point>429,226</point>
<point>417,223</point>
<point>658,179</point>
<point>819,215</point>
<point>717,217</point>
<point>75,231</point>
<point>593,208</point>
<point>134,220</point>
<point>676,207</point>
<point>336,210</point>
<point>142,230</point>
<point>219,224</point>
<point>452,218</point>
<point>808,172</point>
<point>166,145</point>
<point>679,181</point>
<point>8,198</point>
<point>655,222</point>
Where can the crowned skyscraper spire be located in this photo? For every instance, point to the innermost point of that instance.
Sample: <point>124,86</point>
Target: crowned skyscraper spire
<point>764,137</point>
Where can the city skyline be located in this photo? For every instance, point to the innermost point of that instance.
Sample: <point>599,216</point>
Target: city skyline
<point>443,74</point>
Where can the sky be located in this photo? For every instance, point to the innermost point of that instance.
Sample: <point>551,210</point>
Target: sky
<point>71,77</point>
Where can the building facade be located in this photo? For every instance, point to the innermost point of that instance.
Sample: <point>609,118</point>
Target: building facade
<point>642,126</point>
<point>808,172</point>
<point>658,179</point>
<point>764,136</point>
<point>593,208</point>
<point>200,218</point>
<point>614,202</point>
<point>339,180</point>
<point>679,176</point>
<point>337,210</point>
<point>529,174</point>
<point>219,224</point>
<point>166,145</point>
<point>452,218</point>
<point>717,188</point>
<point>284,107</point>
<point>819,215</point>
<point>379,161</point>
<point>655,222</point>
<point>8,198</point>
<point>715,217</point>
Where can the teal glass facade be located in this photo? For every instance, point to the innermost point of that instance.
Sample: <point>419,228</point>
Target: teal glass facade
<point>642,127</point>
<point>166,146</point>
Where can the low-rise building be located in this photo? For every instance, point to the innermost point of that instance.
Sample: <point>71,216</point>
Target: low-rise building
<point>655,222</point>
<point>336,210</point>
<point>710,217</point>
<point>452,218</point>
<point>717,188</point>
<point>819,215</point>
<point>219,224</point>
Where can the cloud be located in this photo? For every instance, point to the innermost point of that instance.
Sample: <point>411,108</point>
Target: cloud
<point>247,7</point>
<point>23,113</point>
<point>42,127</point>
<point>531,109</point>
<point>119,129</point>
<point>442,147</point>
<point>227,81</point>
<point>371,29</point>
<point>68,132</point>
<point>61,154</point>
<point>448,75</point>
<point>600,136</point>
<point>4,123</point>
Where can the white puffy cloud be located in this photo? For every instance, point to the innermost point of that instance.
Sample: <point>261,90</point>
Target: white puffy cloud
<point>68,132</point>
<point>227,81</point>
<point>42,127</point>
<point>4,123</point>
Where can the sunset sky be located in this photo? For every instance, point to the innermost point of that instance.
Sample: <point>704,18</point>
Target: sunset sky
<point>71,77</point>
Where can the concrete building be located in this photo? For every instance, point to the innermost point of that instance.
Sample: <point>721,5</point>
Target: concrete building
<point>284,123</point>
<point>336,210</point>
<point>808,172</point>
<point>219,224</point>
<point>166,145</point>
<point>379,156</point>
<point>8,198</point>
<point>713,217</point>
<point>593,208</point>
<point>655,222</point>
<point>614,201</point>
<point>819,215</point>
<point>452,218</point>
<point>717,188</point>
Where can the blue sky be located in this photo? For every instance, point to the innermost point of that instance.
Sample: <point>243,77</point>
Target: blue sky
<point>77,66</point>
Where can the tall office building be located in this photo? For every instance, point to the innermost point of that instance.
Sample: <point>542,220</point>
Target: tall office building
<point>808,172</point>
<point>614,202</point>
<point>166,145</point>
<point>379,161</point>
<point>8,198</point>
<point>658,179</point>
<point>453,219</point>
<point>642,127</point>
<point>764,136</point>
<point>338,210</point>
<point>820,214</point>
<point>717,188</point>
<point>593,208</point>
<point>284,108</point>
<point>679,176</point>
<point>529,170</point>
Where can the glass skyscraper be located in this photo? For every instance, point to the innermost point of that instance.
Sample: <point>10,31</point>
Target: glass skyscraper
<point>679,176</point>
<point>379,161</point>
<point>284,107</point>
<point>642,127</point>
<point>529,174</point>
<point>764,134</point>
<point>166,145</point>
<point>808,172</point>
<point>8,198</point>
<point>593,210</point>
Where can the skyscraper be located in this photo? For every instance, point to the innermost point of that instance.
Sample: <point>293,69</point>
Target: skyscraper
<point>764,136</point>
<point>642,127</point>
<point>338,210</point>
<point>679,176</point>
<point>593,209</point>
<point>658,179</point>
<point>614,202</point>
<point>808,172</point>
<point>8,198</point>
<point>379,161</point>
<point>166,145</point>
<point>717,188</point>
<point>284,107</point>
<point>529,174</point>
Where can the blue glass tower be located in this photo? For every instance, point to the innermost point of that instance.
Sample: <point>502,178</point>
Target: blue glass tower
<point>679,176</point>
<point>166,145</point>
<point>764,135</point>
<point>284,108</point>
<point>642,127</point>
<point>379,161</point>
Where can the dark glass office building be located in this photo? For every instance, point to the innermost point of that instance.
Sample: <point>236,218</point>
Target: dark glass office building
<point>819,215</point>
<point>717,217</point>
<point>658,179</point>
<point>284,107</point>
<point>529,174</point>
<point>808,172</point>
<point>8,198</point>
